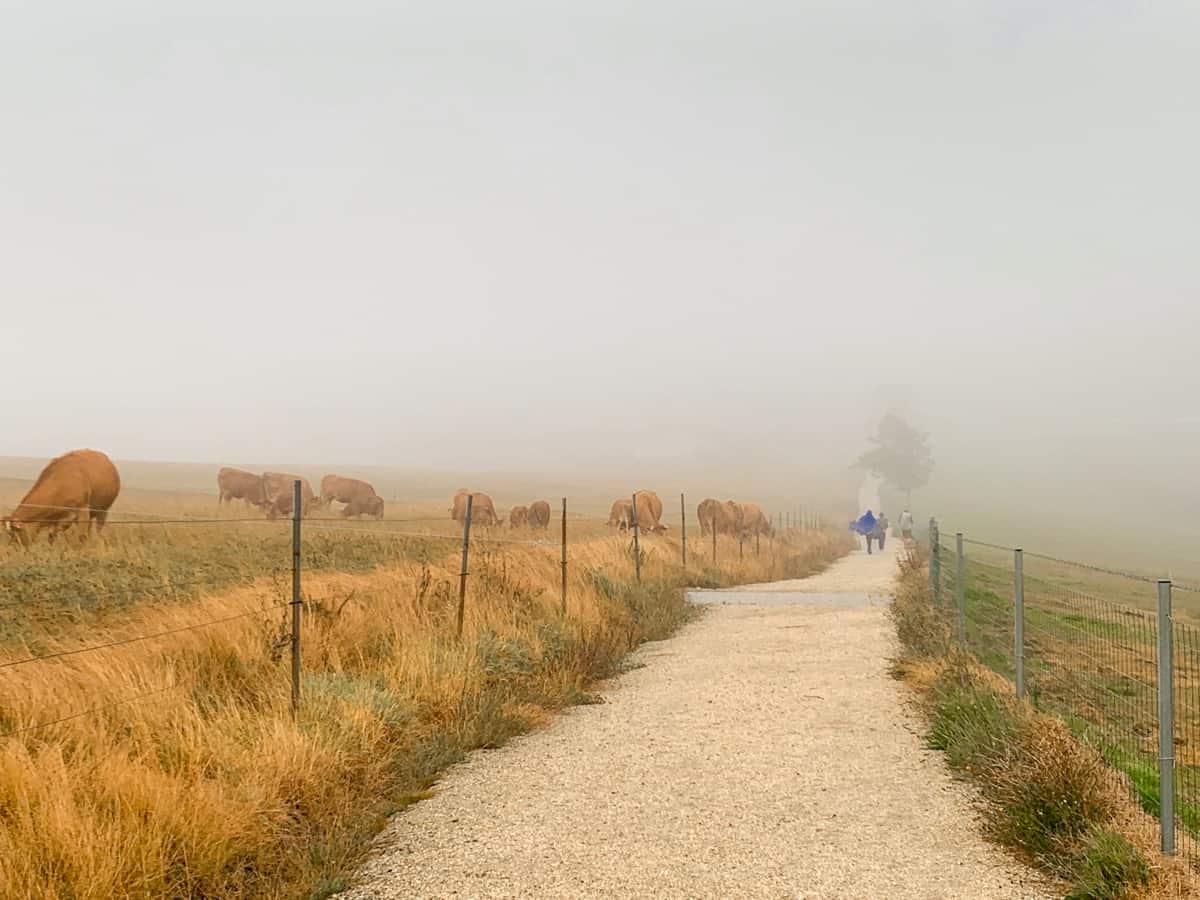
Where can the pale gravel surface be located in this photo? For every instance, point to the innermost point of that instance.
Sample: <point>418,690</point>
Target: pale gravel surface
<point>763,752</point>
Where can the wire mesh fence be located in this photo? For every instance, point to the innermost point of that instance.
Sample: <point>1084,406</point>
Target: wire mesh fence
<point>1088,653</point>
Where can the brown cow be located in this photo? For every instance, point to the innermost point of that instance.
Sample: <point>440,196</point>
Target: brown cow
<point>238,484</point>
<point>518,517</point>
<point>539,515</point>
<point>723,517</point>
<point>755,521</point>
<point>709,513</point>
<point>734,510</point>
<point>278,489</point>
<point>621,515</point>
<point>649,512</point>
<point>364,506</point>
<point>483,511</point>
<point>352,492</point>
<point>76,488</point>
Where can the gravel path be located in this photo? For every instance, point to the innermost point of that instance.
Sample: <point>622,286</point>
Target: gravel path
<point>763,752</point>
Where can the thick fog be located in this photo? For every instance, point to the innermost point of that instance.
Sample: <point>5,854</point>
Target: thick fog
<point>536,233</point>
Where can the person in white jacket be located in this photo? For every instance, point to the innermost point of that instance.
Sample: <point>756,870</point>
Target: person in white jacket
<point>906,525</point>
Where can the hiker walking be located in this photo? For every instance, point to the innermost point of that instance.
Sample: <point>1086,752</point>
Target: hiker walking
<point>865,525</point>
<point>880,530</point>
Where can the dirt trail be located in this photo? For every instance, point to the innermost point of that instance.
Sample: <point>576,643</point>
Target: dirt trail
<point>763,752</point>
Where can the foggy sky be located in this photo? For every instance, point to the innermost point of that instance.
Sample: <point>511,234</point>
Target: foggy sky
<point>468,233</point>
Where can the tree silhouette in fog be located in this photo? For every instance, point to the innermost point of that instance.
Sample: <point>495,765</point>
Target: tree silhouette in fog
<point>899,454</point>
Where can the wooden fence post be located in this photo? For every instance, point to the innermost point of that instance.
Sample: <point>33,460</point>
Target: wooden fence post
<point>637,550</point>
<point>683,530</point>
<point>564,557</point>
<point>462,577</point>
<point>297,511</point>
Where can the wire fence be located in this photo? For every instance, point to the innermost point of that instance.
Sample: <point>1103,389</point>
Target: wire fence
<point>1072,640</point>
<point>36,588</point>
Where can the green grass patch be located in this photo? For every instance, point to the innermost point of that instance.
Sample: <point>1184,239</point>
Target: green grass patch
<point>1108,868</point>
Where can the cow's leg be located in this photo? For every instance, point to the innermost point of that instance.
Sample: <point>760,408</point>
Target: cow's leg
<point>83,519</point>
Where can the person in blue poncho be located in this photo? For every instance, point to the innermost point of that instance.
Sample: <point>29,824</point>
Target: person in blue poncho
<point>865,525</point>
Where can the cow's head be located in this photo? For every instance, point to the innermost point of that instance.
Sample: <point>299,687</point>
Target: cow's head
<point>16,531</point>
<point>375,507</point>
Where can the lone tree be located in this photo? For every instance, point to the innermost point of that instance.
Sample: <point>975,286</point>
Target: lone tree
<point>899,454</point>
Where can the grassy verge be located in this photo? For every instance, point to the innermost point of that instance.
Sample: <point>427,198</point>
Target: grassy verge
<point>206,787</point>
<point>1050,797</point>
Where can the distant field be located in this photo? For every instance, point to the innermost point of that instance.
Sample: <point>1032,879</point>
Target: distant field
<point>1122,523</point>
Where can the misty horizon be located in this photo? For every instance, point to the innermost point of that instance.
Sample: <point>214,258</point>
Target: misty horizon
<point>459,238</point>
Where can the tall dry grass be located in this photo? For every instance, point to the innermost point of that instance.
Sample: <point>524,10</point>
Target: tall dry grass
<point>205,787</point>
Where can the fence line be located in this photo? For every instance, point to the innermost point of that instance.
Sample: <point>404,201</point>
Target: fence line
<point>58,654</point>
<point>299,601</point>
<point>90,711</point>
<point>1127,680</point>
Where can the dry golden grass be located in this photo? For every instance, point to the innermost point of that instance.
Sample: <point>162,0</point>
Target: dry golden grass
<point>206,787</point>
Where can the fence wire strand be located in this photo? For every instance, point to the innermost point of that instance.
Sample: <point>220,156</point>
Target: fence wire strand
<point>59,654</point>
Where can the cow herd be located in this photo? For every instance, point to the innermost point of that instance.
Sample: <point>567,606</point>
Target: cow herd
<point>483,512</point>
<point>740,520</point>
<point>272,493</point>
<point>79,487</point>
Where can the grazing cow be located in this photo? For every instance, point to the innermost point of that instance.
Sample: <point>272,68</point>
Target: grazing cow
<point>621,515</point>
<point>724,517</point>
<point>364,506</point>
<point>483,511</point>
<point>649,512</point>
<point>539,515</point>
<point>709,513</point>
<point>278,489</point>
<point>237,484</point>
<point>77,488</point>
<point>734,510</point>
<point>352,492</point>
<point>755,521</point>
<point>518,517</point>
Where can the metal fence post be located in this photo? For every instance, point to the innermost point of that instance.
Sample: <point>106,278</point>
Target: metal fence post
<point>683,530</point>
<point>296,605</point>
<point>564,556</point>
<point>1019,620</point>
<point>935,563</point>
<point>1166,719</point>
<point>960,587</point>
<point>637,550</point>
<point>714,537</point>
<point>462,575</point>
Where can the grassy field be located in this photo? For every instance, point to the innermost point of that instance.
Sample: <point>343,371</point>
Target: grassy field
<point>1041,765</point>
<point>1091,657</point>
<point>163,759</point>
